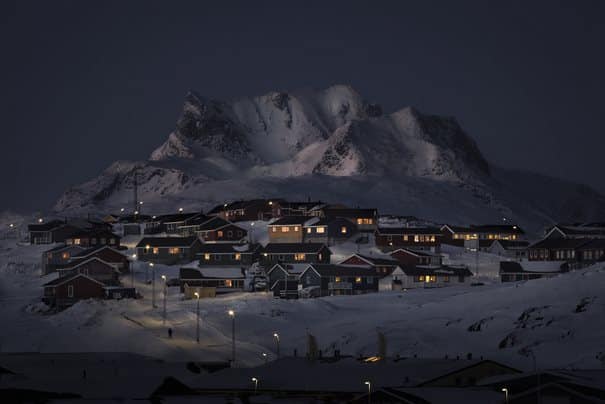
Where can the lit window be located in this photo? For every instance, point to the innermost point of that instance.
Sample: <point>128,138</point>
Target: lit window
<point>174,250</point>
<point>343,229</point>
<point>421,278</point>
<point>416,238</point>
<point>405,237</point>
<point>308,230</point>
<point>207,256</point>
<point>219,233</point>
<point>337,279</point>
<point>238,256</point>
<point>432,239</point>
<point>77,241</point>
<point>359,221</point>
<point>228,283</point>
<point>65,255</point>
<point>321,230</point>
<point>273,229</point>
<point>299,257</point>
<point>285,229</point>
<point>358,279</point>
<point>295,228</point>
<point>156,250</point>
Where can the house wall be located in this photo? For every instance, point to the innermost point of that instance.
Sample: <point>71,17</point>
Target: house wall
<point>227,233</point>
<point>186,254</point>
<point>310,258</point>
<point>96,270</point>
<point>278,235</point>
<point>276,275</point>
<point>83,289</point>
<point>55,259</point>
<point>392,242</point>
<point>225,259</point>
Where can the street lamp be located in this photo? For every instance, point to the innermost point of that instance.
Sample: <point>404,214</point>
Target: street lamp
<point>232,315</point>
<point>180,210</point>
<point>152,284</point>
<point>255,380</point>
<point>122,210</point>
<point>369,384</point>
<point>197,315</point>
<point>505,390</point>
<point>265,357</point>
<point>164,308</point>
<point>276,336</point>
<point>40,220</point>
<point>134,257</point>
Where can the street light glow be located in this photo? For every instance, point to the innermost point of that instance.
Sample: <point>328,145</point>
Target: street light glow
<point>231,313</point>
<point>196,295</point>
<point>164,277</point>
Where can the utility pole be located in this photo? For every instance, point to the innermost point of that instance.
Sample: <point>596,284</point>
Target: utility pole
<point>197,315</point>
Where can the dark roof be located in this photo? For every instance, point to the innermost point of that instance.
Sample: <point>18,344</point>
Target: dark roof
<point>177,217</point>
<point>512,243</point>
<point>597,243</point>
<point>498,228</point>
<point>290,248</point>
<point>437,270</point>
<point>48,226</point>
<point>343,270</point>
<point>63,247</point>
<point>515,267</point>
<point>227,248</point>
<point>214,223</point>
<point>408,230</point>
<point>290,220</point>
<point>415,252</point>
<point>377,260</point>
<point>559,243</point>
<point>93,250</point>
<point>133,218</point>
<point>282,284</point>
<point>198,220</point>
<point>580,230</point>
<point>167,241</point>
<point>350,212</point>
<point>63,279</point>
<point>238,205</point>
<point>189,273</point>
<point>98,232</point>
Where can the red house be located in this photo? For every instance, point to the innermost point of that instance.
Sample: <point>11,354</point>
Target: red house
<point>218,230</point>
<point>65,291</point>
<point>106,254</point>
<point>381,265</point>
<point>413,257</point>
<point>418,238</point>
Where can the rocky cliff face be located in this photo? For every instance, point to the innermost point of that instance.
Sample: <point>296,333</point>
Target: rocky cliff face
<point>308,137</point>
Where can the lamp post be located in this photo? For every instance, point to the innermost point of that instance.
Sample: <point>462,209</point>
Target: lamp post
<point>369,384</point>
<point>197,318</point>
<point>265,357</point>
<point>232,315</point>
<point>505,390</point>
<point>164,304</point>
<point>134,257</point>
<point>255,380</point>
<point>152,284</point>
<point>276,336</point>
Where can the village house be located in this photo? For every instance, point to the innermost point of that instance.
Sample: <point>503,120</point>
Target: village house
<point>366,220</point>
<point>339,279</point>
<point>170,223</point>
<point>485,234</point>
<point>54,231</point>
<point>513,271</point>
<point>284,208</point>
<point>516,249</point>
<point>106,253</point>
<point>210,281</point>
<point>592,251</point>
<point>285,289</point>
<point>59,257</point>
<point>433,276</point>
<point>576,231</point>
<point>555,249</point>
<point>418,238</point>
<point>94,268</point>
<point>283,278</point>
<point>137,224</point>
<point>381,265</point>
<point>411,257</point>
<point>228,254</point>
<point>191,226</point>
<point>328,231</point>
<point>67,290</point>
<point>288,229</point>
<point>218,230</point>
<point>274,253</point>
<point>168,250</point>
<point>93,237</point>
<point>255,209</point>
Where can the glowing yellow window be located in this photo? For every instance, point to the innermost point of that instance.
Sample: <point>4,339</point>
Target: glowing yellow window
<point>220,233</point>
<point>343,229</point>
<point>321,230</point>
<point>65,255</point>
<point>358,279</point>
<point>238,256</point>
<point>359,221</point>
<point>432,239</point>
<point>207,256</point>
<point>308,230</point>
<point>416,239</point>
<point>421,278</point>
<point>273,229</point>
<point>285,229</point>
<point>337,279</point>
<point>299,257</point>
<point>295,228</point>
<point>174,250</point>
<point>155,250</point>
<point>228,283</point>
<point>77,241</point>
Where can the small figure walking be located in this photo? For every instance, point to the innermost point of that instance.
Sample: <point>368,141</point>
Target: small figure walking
<point>169,332</point>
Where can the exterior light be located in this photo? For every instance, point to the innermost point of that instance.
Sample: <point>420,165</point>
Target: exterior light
<point>136,212</point>
<point>134,256</point>
<point>505,391</point>
<point>147,246</point>
<point>196,295</point>
<point>270,202</point>
<point>181,210</point>
<point>140,203</point>
<point>40,220</point>
<point>255,380</point>
<point>225,205</point>
<point>151,264</point>
<point>122,210</point>
<point>164,278</point>
<point>11,225</point>
<point>231,313</point>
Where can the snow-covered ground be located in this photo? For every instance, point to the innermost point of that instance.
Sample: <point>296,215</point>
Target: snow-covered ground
<point>561,320</point>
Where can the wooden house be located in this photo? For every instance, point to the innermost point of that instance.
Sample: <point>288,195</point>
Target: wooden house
<point>592,251</point>
<point>219,279</point>
<point>366,220</point>
<point>418,238</point>
<point>288,229</point>
<point>555,249</point>
<point>516,249</point>
<point>339,279</point>
<point>214,254</point>
<point>67,290</point>
<point>274,253</point>
<point>255,209</point>
<point>285,289</point>
<point>575,231</point>
<point>93,238</point>
<point>105,253</point>
<point>54,231</point>
<point>168,250</point>
<point>432,276</point>
<point>191,226</point>
<point>170,223</point>
<point>513,271</point>
<point>486,234</point>
<point>285,272</point>
<point>59,257</point>
<point>284,208</point>
<point>218,230</point>
<point>328,231</point>
<point>409,257</point>
<point>94,268</point>
<point>383,266</point>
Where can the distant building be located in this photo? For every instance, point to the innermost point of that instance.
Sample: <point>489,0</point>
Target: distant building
<point>93,238</point>
<point>289,229</point>
<point>54,231</point>
<point>339,279</point>
<point>418,238</point>
<point>366,220</point>
<point>409,257</point>
<point>516,249</point>
<point>228,254</point>
<point>485,234</point>
<point>512,271</point>
<point>59,257</point>
<point>168,250</point>
<point>210,281</point>
<point>218,230</point>
<point>255,209</point>
<point>275,253</point>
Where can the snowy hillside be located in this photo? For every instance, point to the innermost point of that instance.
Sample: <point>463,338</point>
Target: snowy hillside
<point>317,143</point>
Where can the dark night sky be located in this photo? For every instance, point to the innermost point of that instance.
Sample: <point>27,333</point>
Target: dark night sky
<point>86,83</point>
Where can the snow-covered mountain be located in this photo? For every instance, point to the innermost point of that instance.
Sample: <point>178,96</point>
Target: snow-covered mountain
<point>332,145</point>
